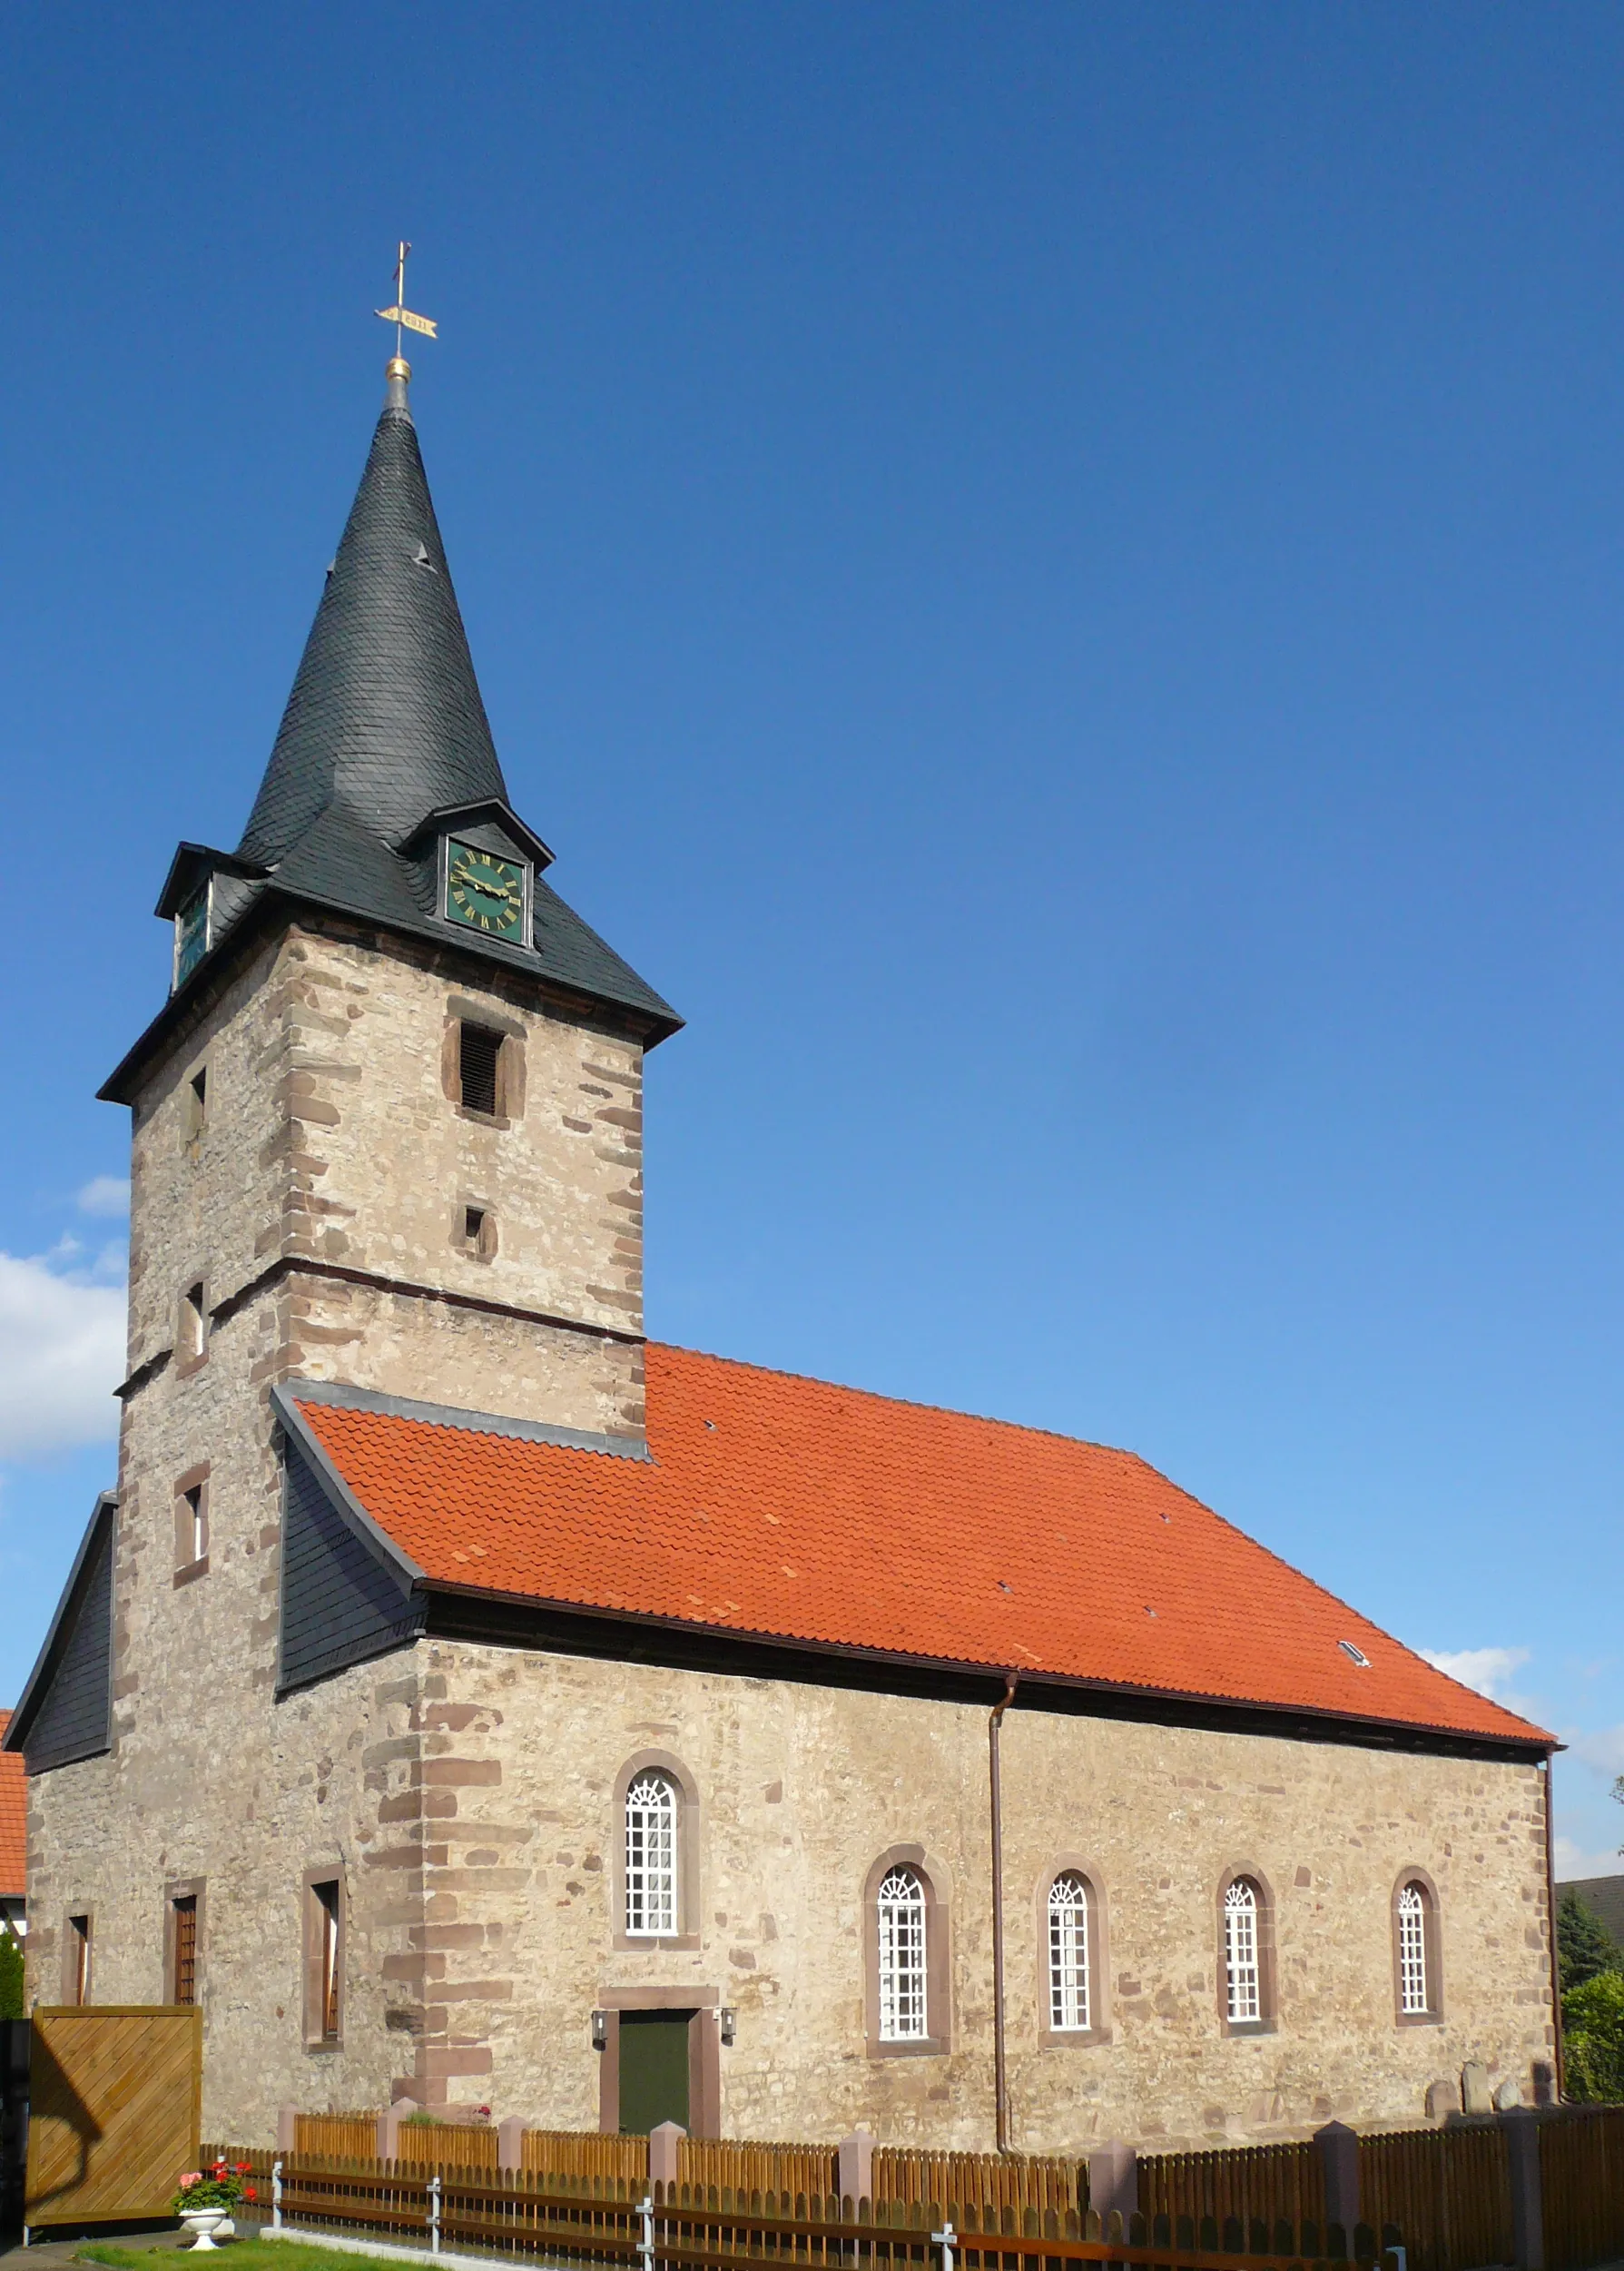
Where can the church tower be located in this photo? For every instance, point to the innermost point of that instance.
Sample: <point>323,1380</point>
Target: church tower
<point>387,1127</point>
<point>387,1136</point>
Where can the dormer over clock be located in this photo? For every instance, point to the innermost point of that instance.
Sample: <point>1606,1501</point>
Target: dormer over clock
<point>486,863</point>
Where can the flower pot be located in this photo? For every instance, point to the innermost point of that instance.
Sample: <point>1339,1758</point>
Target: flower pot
<point>203,2223</point>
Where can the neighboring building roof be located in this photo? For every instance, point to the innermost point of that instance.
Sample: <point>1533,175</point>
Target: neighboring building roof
<point>776,1507</point>
<point>1603,1896</point>
<point>14,1821</point>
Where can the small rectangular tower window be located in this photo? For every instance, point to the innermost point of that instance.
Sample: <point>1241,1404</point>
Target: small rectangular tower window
<point>479,1058</point>
<point>197,1103</point>
<point>474,1232</point>
<point>197,1523</point>
<point>183,1956</point>
<point>191,1524</point>
<point>324,1961</point>
<point>76,1968</point>
<point>194,1336</point>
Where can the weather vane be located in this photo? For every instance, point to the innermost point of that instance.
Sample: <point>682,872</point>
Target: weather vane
<point>400,315</point>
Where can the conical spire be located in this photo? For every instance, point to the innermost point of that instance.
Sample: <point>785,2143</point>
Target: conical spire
<point>385,716</point>
<point>383,752</point>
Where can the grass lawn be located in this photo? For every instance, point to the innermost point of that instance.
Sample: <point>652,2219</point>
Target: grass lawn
<point>242,2255</point>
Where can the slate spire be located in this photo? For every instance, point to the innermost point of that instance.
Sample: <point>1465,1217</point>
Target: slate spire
<point>383,758</point>
<point>385,716</point>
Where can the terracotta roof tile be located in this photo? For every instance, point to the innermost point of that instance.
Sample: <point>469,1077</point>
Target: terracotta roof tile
<point>13,1820</point>
<point>791,1508</point>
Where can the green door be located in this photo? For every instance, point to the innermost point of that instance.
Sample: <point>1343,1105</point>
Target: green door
<point>653,2069</point>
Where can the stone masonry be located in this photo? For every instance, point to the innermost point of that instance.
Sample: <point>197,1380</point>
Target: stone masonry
<point>467,1795</point>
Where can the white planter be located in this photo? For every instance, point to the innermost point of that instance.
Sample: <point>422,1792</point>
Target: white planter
<point>205,2223</point>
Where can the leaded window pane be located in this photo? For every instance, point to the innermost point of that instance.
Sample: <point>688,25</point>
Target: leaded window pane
<point>1068,1952</point>
<point>1240,1953</point>
<point>902,1904</point>
<point>1412,1951</point>
<point>651,1857</point>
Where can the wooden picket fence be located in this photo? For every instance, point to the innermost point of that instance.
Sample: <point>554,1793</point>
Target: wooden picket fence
<point>1018,2182</point>
<point>709,2165</point>
<point>337,2136</point>
<point>1254,2183</point>
<point>568,2157</point>
<point>1581,2185</point>
<point>1449,2190</point>
<point>599,2222</point>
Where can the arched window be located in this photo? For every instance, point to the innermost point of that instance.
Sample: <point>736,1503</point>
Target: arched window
<point>1242,1971</point>
<point>1412,1951</point>
<point>1417,1951</point>
<point>651,1857</point>
<point>901,1919</point>
<point>1069,1953</point>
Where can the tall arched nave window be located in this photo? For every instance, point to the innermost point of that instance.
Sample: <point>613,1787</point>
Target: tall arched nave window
<point>902,1917</point>
<point>651,1856</point>
<point>1069,1953</point>
<point>1242,1971</point>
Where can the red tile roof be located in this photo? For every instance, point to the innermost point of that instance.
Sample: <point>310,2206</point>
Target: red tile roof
<point>786,1508</point>
<point>13,1820</point>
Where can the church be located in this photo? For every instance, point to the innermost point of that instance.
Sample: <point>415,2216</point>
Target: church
<point>464,1699</point>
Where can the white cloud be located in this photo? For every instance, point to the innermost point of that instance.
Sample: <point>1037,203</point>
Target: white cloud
<point>1486,1669</point>
<point>1602,1748</point>
<point>1573,1860</point>
<point>62,1354</point>
<point>105,1194</point>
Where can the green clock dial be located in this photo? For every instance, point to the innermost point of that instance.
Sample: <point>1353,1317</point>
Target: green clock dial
<point>484,891</point>
<point>191,935</point>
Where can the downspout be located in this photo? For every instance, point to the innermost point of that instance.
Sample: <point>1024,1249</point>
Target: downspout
<point>1556,1988</point>
<point>1000,2077</point>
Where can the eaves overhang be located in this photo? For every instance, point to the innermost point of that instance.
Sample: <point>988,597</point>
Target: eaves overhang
<point>103,1515</point>
<point>464,1608</point>
<point>650,1024</point>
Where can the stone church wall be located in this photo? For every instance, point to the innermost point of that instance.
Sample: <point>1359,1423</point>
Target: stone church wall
<point>801,1788</point>
<point>469,1795</point>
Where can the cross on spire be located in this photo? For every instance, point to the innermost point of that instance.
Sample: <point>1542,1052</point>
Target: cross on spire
<point>400,315</point>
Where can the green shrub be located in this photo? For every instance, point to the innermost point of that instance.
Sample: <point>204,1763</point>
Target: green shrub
<point>1584,1945</point>
<point>11,1974</point>
<point>1593,2040</point>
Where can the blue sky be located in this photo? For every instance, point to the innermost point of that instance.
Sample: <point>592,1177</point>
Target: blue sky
<point>1053,576</point>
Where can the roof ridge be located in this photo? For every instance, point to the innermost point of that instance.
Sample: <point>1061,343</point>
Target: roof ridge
<point>913,1403</point>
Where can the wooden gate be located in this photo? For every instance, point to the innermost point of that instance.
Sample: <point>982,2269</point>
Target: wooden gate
<point>115,2096</point>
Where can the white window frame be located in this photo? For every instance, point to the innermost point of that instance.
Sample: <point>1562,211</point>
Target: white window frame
<point>903,1926</point>
<point>1414,1996</point>
<point>651,1856</point>
<point>1242,1968</point>
<point>1069,1982</point>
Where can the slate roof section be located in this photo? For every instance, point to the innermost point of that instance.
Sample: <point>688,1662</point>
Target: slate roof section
<point>816,1515</point>
<point>386,714</point>
<point>14,1821</point>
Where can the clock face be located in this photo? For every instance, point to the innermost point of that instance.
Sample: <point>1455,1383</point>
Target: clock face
<point>484,891</point>
<point>191,935</point>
